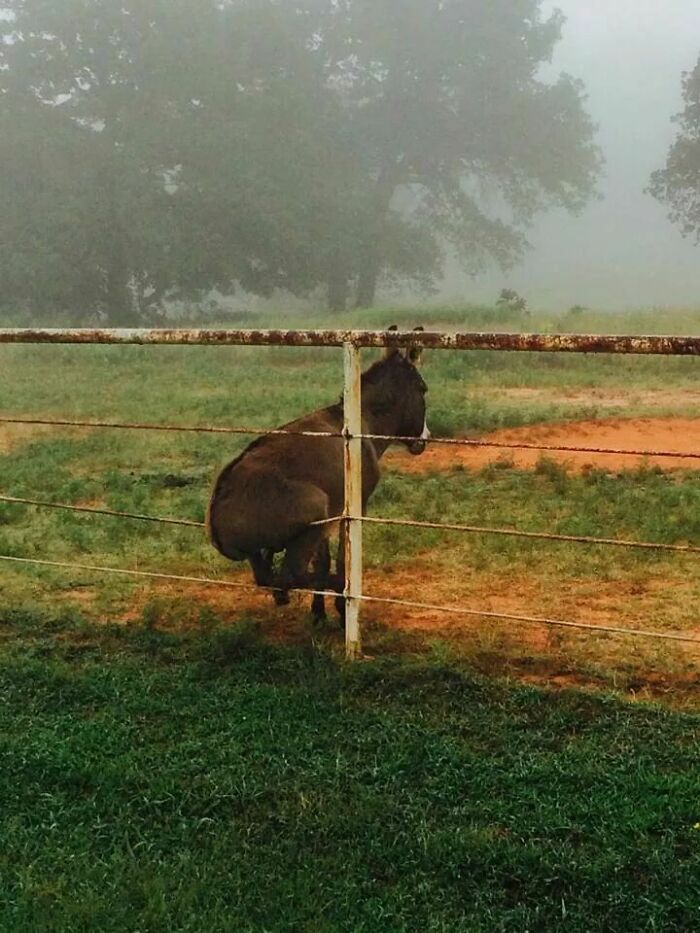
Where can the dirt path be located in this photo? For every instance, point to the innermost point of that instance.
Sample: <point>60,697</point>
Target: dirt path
<point>680,435</point>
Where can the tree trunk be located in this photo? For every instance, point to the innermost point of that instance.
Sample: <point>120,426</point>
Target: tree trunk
<point>338,285</point>
<point>369,275</point>
<point>367,282</point>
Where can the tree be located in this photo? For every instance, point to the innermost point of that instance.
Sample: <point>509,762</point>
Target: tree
<point>678,184</point>
<point>90,209</point>
<point>157,149</point>
<point>130,180</point>
<point>446,101</point>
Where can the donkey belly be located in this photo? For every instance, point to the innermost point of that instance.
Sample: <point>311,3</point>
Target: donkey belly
<point>265,512</point>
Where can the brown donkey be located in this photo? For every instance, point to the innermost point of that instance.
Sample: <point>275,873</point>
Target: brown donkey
<point>266,501</point>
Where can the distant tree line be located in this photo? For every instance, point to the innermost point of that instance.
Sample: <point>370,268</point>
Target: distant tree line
<point>155,150</point>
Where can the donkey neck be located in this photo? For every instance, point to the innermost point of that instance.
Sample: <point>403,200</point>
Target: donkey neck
<point>383,424</point>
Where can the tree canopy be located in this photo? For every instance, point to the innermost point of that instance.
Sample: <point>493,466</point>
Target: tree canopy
<point>678,184</point>
<point>156,149</point>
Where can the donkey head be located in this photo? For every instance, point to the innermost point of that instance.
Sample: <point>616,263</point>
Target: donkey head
<point>393,391</point>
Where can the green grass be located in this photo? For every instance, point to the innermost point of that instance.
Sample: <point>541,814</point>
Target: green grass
<point>645,505</point>
<point>209,782</point>
<point>180,773</point>
<point>170,474</point>
<point>224,385</point>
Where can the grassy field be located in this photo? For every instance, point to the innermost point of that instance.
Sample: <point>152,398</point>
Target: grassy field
<point>182,758</point>
<point>207,781</point>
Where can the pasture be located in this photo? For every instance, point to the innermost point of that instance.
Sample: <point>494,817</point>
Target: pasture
<point>186,757</point>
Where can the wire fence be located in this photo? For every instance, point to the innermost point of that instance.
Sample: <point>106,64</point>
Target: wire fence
<point>391,438</point>
<point>380,600</point>
<point>352,520</point>
<point>373,520</point>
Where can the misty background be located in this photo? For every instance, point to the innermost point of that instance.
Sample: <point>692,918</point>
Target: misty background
<point>622,252</point>
<point>344,154</point>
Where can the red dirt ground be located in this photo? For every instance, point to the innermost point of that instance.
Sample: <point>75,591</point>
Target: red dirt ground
<point>680,435</point>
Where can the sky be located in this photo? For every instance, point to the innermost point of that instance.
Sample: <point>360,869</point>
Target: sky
<point>622,252</point>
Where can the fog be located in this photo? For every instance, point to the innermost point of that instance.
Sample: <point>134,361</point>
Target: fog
<point>622,252</point>
<point>333,156</point>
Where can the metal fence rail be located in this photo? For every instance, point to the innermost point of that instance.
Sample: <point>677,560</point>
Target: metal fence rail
<point>352,519</point>
<point>365,339</point>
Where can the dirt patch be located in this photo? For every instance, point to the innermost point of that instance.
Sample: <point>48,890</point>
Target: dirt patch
<point>528,652</point>
<point>669,400</point>
<point>639,603</point>
<point>681,435</point>
<point>13,436</point>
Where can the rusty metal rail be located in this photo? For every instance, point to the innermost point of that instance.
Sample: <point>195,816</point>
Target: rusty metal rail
<point>645,345</point>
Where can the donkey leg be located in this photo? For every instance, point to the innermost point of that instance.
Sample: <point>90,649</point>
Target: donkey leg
<point>264,574</point>
<point>339,579</point>
<point>261,564</point>
<point>321,576</point>
<point>295,569</point>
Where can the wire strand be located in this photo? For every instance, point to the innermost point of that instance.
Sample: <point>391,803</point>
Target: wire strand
<point>174,428</point>
<point>536,535</point>
<point>402,523</point>
<point>534,620</point>
<point>262,432</point>
<point>230,584</point>
<point>408,604</point>
<point>554,448</point>
<point>131,515</point>
<point>95,511</point>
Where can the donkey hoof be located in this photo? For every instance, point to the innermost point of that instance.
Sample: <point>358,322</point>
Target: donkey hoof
<point>282,599</point>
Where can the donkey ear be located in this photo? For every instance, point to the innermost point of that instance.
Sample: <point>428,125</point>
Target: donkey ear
<point>415,354</point>
<point>390,351</point>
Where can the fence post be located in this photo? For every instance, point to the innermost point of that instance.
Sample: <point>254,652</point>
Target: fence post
<point>352,525</point>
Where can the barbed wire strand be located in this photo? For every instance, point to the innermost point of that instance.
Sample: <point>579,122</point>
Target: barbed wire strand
<point>95,511</point>
<point>607,629</point>
<point>404,523</point>
<point>536,535</point>
<point>138,517</point>
<point>174,428</point>
<point>230,584</point>
<point>408,604</point>
<point>262,432</point>
<point>554,448</point>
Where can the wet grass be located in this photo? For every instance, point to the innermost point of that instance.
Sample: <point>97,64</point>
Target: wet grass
<point>211,782</point>
<point>170,474</point>
<point>181,773</point>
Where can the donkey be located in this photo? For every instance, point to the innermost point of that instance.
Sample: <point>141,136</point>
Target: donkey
<point>267,500</point>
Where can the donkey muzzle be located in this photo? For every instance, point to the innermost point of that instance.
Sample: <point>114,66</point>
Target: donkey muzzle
<point>418,446</point>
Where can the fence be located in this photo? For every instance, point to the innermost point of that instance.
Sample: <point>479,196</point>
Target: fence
<point>352,520</point>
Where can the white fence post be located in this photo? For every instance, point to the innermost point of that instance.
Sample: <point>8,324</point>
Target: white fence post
<point>352,526</point>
